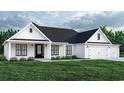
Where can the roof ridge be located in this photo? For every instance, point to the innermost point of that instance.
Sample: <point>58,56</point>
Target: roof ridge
<point>89,30</point>
<point>53,27</point>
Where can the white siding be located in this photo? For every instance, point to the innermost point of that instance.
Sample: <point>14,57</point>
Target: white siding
<point>6,50</point>
<point>45,50</point>
<point>93,38</point>
<point>114,52</point>
<point>25,34</point>
<point>62,50</point>
<point>79,50</point>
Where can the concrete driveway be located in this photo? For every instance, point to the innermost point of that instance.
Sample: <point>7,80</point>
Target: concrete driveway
<point>117,59</point>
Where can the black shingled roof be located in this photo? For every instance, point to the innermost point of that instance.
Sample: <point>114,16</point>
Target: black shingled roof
<point>66,35</point>
<point>82,37</point>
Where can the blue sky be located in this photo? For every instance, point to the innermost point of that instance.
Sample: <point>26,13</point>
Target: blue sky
<point>79,20</point>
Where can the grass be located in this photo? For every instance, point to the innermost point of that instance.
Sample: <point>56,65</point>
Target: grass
<point>97,70</point>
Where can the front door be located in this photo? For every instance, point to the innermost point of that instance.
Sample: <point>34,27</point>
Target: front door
<point>39,51</point>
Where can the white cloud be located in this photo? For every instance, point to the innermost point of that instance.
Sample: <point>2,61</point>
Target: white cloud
<point>89,20</point>
<point>53,13</point>
<point>79,15</point>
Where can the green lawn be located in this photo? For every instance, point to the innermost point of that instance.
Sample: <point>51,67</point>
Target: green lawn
<point>64,71</point>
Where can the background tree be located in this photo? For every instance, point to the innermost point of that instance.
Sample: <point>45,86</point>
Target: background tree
<point>4,35</point>
<point>116,37</point>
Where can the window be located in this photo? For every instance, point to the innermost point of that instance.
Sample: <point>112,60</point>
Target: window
<point>21,50</point>
<point>55,50</point>
<point>30,30</point>
<point>98,36</point>
<point>68,50</point>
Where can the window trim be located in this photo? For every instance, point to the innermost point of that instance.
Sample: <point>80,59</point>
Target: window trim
<point>30,30</point>
<point>55,50</point>
<point>98,36</point>
<point>68,50</point>
<point>21,49</point>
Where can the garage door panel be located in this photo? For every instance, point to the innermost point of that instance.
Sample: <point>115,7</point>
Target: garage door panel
<point>114,52</point>
<point>97,52</point>
<point>101,52</point>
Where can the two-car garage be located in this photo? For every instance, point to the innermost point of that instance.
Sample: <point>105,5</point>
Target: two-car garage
<point>102,51</point>
<point>94,44</point>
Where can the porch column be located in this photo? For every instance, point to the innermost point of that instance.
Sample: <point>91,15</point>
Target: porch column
<point>9,51</point>
<point>64,50</point>
<point>49,51</point>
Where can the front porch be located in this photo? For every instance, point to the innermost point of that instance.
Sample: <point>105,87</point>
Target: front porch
<point>26,49</point>
<point>38,49</point>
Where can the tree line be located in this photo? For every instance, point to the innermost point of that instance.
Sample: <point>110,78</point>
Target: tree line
<point>4,35</point>
<point>116,37</point>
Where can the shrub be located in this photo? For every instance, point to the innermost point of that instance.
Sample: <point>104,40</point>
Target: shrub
<point>63,57</point>
<point>74,57</point>
<point>30,58</point>
<point>2,58</point>
<point>22,59</point>
<point>58,58</point>
<point>53,58</point>
<point>13,59</point>
<point>68,57</point>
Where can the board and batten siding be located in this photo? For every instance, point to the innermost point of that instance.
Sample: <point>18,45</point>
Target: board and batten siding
<point>6,54</point>
<point>93,38</point>
<point>26,34</point>
<point>79,50</point>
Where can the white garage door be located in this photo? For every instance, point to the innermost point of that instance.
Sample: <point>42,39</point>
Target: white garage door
<point>114,52</point>
<point>98,52</point>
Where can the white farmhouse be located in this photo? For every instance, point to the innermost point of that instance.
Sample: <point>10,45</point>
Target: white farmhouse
<point>47,42</point>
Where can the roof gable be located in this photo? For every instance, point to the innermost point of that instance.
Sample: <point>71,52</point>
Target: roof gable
<point>103,38</point>
<point>25,34</point>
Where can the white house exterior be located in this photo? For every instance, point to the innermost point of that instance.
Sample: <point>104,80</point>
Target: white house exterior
<point>47,42</point>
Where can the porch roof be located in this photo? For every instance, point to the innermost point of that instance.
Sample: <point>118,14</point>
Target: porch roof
<point>31,41</point>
